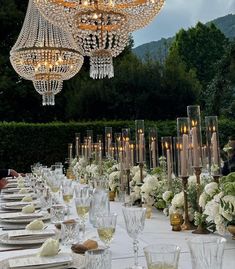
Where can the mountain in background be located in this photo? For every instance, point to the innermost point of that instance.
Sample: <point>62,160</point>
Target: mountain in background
<point>158,50</point>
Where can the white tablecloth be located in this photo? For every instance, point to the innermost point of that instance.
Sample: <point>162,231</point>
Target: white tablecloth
<point>157,230</point>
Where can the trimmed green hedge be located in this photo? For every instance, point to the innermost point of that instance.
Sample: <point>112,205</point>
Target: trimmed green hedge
<point>22,144</point>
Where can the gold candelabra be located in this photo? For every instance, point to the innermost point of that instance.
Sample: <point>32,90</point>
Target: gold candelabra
<point>186,225</point>
<point>200,229</point>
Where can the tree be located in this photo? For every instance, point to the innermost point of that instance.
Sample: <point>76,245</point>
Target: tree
<point>180,86</point>
<point>220,93</point>
<point>200,47</point>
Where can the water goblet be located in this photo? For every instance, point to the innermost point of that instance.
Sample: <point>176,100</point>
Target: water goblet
<point>162,256</point>
<point>98,259</point>
<point>134,219</point>
<point>106,225</point>
<point>207,252</point>
<point>69,233</point>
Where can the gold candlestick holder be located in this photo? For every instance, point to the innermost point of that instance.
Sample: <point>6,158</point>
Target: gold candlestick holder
<point>186,225</point>
<point>128,173</point>
<point>200,229</point>
<point>141,166</point>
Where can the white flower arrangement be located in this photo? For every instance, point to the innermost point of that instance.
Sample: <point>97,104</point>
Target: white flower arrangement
<point>114,180</point>
<point>218,202</point>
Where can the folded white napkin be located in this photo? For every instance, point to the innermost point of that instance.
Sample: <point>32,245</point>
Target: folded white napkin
<point>28,209</point>
<point>49,248</point>
<point>35,225</point>
<point>27,198</point>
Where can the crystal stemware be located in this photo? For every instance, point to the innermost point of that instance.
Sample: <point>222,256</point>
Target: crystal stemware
<point>83,207</point>
<point>134,219</point>
<point>67,193</point>
<point>106,225</point>
<point>207,252</point>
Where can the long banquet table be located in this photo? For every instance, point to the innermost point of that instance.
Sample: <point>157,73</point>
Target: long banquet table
<point>157,230</point>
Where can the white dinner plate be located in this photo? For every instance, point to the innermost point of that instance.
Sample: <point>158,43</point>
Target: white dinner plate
<point>28,220</point>
<point>18,207</point>
<point>16,190</point>
<point>78,261</point>
<point>17,196</point>
<point>6,241</point>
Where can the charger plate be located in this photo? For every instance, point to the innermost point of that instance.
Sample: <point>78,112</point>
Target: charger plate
<point>78,261</point>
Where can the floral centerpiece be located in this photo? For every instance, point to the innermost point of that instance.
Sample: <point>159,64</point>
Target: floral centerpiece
<point>218,203</point>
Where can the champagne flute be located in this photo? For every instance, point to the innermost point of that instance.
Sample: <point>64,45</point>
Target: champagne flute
<point>106,225</point>
<point>134,219</point>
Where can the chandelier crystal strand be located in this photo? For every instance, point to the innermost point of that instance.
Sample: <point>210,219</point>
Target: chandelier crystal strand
<point>45,54</point>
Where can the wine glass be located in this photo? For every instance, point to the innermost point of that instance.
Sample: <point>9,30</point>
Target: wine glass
<point>106,225</point>
<point>83,207</point>
<point>67,193</point>
<point>45,198</point>
<point>134,219</point>
<point>54,183</point>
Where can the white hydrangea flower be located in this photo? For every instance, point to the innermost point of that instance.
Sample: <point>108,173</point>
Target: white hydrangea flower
<point>178,200</point>
<point>173,209</point>
<point>167,195</point>
<point>136,177</point>
<point>192,180</point>
<point>211,188</point>
<point>211,210</point>
<point>135,169</point>
<point>218,196</point>
<point>203,200</point>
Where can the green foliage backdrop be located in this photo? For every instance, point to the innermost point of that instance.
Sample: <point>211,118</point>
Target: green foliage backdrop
<point>22,144</point>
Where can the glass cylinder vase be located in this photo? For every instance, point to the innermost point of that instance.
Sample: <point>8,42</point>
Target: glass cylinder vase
<point>194,116</point>
<point>140,141</point>
<point>212,141</point>
<point>153,148</point>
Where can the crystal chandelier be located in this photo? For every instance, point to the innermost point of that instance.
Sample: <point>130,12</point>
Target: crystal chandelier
<point>100,27</point>
<point>45,54</point>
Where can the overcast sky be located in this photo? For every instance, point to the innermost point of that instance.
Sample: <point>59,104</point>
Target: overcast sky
<point>177,14</point>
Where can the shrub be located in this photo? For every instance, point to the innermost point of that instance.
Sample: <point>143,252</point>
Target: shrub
<point>22,144</point>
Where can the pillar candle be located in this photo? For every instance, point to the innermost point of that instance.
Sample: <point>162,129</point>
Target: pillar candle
<point>168,159</point>
<point>109,145</point>
<point>132,155</point>
<point>214,145</point>
<point>184,156</point>
<point>153,150</point>
<point>196,158</point>
<point>141,147</point>
<point>86,152</point>
<point>77,146</point>
<point>127,153</point>
<point>89,147</point>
